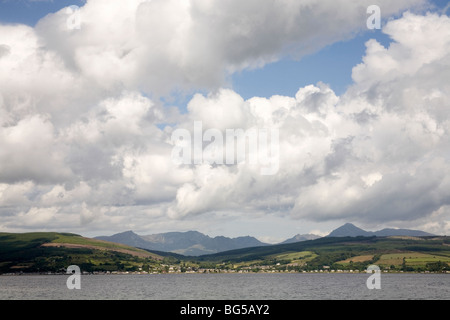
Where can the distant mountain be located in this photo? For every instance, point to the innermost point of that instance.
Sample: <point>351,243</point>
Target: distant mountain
<point>190,243</point>
<point>402,232</point>
<point>194,243</point>
<point>301,237</point>
<point>350,230</point>
<point>128,237</point>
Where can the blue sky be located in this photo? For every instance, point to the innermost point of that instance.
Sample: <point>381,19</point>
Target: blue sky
<point>29,12</point>
<point>331,65</point>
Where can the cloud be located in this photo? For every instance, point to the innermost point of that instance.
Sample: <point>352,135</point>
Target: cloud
<point>42,163</point>
<point>86,142</point>
<point>376,154</point>
<point>164,45</point>
<point>402,93</point>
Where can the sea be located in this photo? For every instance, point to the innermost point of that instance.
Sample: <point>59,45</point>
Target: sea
<point>277,286</point>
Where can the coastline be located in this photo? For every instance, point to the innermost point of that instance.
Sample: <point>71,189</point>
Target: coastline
<point>112,273</point>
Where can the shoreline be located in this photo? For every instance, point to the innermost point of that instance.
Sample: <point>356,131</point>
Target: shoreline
<point>114,273</point>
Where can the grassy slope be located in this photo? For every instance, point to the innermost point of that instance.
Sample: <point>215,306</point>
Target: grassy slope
<point>100,244</point>
<point>339,252</point>
<point>257,253</point>
<point>52,251</point>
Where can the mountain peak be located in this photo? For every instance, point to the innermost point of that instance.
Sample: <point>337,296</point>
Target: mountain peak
<point>129,232</point>
<point>348,224</point>
<point>349,230</point>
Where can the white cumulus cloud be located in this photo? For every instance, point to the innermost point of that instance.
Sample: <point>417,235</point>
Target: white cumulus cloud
<point>85,141</point>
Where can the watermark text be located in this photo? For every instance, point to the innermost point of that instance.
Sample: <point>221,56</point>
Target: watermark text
<point>74,281</point>
<point>233,147</point>
<point>374,281</point>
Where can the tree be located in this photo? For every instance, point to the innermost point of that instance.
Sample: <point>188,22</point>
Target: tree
<point>404,264</point>
<point>437,266</point>
<point>146,267</point>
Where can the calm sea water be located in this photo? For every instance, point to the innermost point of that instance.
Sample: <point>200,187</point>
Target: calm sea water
<point>227,286</point>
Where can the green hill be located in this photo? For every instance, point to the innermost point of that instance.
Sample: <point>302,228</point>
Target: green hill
<point>345,253</point>
<point>53,252</point>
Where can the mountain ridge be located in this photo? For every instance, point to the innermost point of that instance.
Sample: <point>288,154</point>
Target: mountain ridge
<point>301,237</point>
<point>189,243</point>
<point>350,230</point>
<point>194,243</point>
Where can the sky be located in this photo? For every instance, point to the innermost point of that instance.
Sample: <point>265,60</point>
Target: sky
<point>93,92</point>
